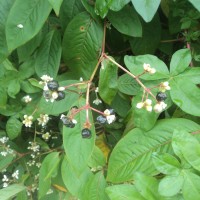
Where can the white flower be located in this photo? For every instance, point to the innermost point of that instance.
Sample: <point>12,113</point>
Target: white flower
<point>61,88</point>
<point>34,146</point>
<point>46,78</point>
<point>46,136</point>
<point>110,118</point>
<point>159,107</point>
<point>43,119</point>
<point>97,89</point>
<point>5,185</point>
<point>4,140</point>
<point>5,178</point>
<point>74,121</point>
<point>27,99</point>
<point>54,95</point>
<point>149,69</point>
<point>16,174</point>
<point>27,120</point>
<point>81,79</point>
<point>97,101</point>
<point>107,112</point>
<point>164,86</point>
<point>20,26</point>
<point>38,164</point>
<point>4,153</point>
<point>147,104</point>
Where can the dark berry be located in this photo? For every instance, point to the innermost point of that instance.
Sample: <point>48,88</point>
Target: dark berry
<point>61,95</point>
<point>161,96</point>
<point>47,94</point>
<point>101,119</point>
<point>111,111</point>
<point>67,122</point>
<point>53,85</point>
<point>86,133</point>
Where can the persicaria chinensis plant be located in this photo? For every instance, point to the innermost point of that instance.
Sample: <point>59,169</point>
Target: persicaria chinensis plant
<point>99,100</point>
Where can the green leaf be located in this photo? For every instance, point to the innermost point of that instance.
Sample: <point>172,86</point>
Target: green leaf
<point>95,188</point>
<point>150,40</point>
<point>166,164</point>
<point>74,183</point>
<point>123,192</point>
<point>186,95</point>
<point>134,151</point>
<point>13,127</point>
<point>5,161</point>
<point>48,169</point>
<point>180,61</point>
<point>191,186</point>
<point>117,5</point>
<point>189,146</point>
<point>128,85</point>
<point>47,59</point>
<point>3,99</point>
<point>82,45</point>
<point>196,4</point>
<point>11,191</point>
<point>13,88</point>
<point>135,65</point>
<point>31,14</point>
<point>56,4</point>
<point>5,7</point>
<point>171,185</point>
<point>146,8</point>
<point>97,159</point>
<point>27,69</point>
<point>108,81</point>
<point>126,21</point>
<point>147,186</point>
<point>101,7</point>
<point>78,149</point>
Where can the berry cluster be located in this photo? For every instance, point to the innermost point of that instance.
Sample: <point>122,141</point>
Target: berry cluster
<point>68,122</point>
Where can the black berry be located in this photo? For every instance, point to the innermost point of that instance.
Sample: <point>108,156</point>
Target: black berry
<point>53,85</point>
<point>47,94</point>
<point>161,96</point>
<point>67,122</point>
<point>101,119</point>
<point>61,95</point>
<point>86,133</point>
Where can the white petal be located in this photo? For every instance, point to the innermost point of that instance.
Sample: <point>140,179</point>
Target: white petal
<point>140,105</point>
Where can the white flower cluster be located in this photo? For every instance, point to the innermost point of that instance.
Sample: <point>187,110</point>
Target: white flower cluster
<point>160,106</point>
<point>46,136</point>
<point>164,86</point>
<point>149,69</point>
<point>4,140</point>
<point>34,147</point>
<point>27,99</point>
<point>28,120</point>
<point>43,119</point>
<point>6,180</point>
<point>110,116</point>
<point>147,104</point>
<point>97,101</point>
<point>6,148</point>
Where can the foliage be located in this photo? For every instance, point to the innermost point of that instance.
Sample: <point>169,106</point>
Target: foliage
<point>100,99</point>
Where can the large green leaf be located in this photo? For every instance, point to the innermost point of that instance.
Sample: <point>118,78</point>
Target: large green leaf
<point>13,127</point>
<point>56,4</point>
<point>117,5</point>
<point>196,4</point>
<point>186,95</point>
<point>47,59</point>
<point>126,21</point>
<point>74,183</point>
<point>180,61</point>
<point>189,147</point>
<point>134,151</point>
<point>78,149</point>
<point>5,7</point>
<point>123,192</point>
<point>135,65</point>
<point>48,170</point>
<point>3,99</point>
<point>5,161</point>
<point>82,44</point>
<point>108,81</point>
<point>150,40</point>
<point>102,7</point>
<point>95,188</point>
<point>31,14</point>
<point>146,8</point>
<point>11,191</point>
<point>191,186</point>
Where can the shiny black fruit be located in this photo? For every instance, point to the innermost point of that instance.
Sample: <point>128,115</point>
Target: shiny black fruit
<point>53,85</point>
<point>86,133</point>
